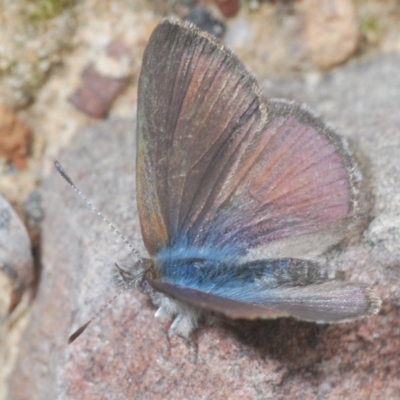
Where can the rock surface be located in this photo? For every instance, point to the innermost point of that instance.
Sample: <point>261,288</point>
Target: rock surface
<point>32,42</point>
<point>16,261</point>
<point>17,274</point>
<point>329,31</point>
<point>124,354</point>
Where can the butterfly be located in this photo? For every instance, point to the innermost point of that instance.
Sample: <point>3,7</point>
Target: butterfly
<point>224,176</point>
<point>231,188</point>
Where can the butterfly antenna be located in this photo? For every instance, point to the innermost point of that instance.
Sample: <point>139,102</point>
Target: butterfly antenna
<point>62,172</point>
<point>79,331</point>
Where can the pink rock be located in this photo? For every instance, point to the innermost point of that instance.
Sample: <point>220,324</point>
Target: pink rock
<point>228,8</point>
<point>97,92</point>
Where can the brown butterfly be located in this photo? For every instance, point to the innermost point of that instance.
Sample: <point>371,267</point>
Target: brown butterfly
<point>230,187</point>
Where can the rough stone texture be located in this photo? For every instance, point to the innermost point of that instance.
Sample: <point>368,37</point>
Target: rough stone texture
<point>97,92</point>
<point>16,262</point>
<point>30,46</point>
<point>329,30</point>
<point>16,278</point>
<point>124,353</point>
<point>103,81</point>
<point>14,138</point>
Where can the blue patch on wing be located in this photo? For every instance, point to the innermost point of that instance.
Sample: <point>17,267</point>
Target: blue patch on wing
<point>218,272</point>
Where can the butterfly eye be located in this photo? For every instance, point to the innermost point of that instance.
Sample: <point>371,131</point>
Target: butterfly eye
<point>143,285</point>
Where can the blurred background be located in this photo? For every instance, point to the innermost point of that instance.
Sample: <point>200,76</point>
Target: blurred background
<point>66,64</point>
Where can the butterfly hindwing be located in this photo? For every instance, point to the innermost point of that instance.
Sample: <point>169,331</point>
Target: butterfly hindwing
<point>296,177</point>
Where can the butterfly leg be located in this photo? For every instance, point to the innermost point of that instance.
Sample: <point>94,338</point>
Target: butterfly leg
<point>164,318</point>
<point>184,323</point>
<point>183,326</point>
<point>162,314</point>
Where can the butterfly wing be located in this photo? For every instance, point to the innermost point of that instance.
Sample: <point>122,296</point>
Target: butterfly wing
<point>326,302</point>
<point>196,103</point>
<point>296,177</point>
<point>230,308</point>
<point>219,168</point>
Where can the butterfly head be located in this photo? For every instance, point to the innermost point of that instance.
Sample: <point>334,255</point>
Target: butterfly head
<point>138,276</point>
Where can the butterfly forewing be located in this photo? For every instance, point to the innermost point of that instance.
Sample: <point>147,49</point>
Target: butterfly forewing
<point>196,105</point>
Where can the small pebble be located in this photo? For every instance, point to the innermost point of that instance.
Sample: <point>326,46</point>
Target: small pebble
<point>203,19</point>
